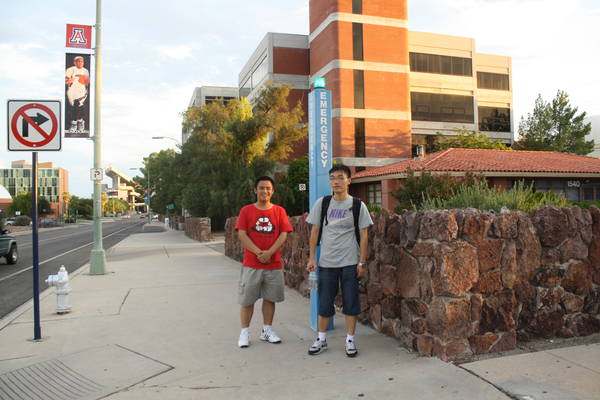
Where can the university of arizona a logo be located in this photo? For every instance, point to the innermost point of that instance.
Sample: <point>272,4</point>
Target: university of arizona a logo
<point>77,37</point>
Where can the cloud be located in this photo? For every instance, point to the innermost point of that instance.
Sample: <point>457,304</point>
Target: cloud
<point>178,52</point>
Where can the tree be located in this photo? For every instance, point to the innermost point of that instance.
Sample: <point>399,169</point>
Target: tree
<point>467,139</point>
<point>232,144</point>
<point>287,191</point>
<point>555,126</point>
<point>165,180</point>
<point>83,207</point>
<point>66,196</point>
<point>115,206</point>
<point>22,203</point>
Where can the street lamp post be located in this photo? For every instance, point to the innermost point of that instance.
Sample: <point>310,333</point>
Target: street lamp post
<point>98,256</point>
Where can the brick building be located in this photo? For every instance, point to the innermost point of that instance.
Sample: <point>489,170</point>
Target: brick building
<point>392,89</point>
<point>53,181</point>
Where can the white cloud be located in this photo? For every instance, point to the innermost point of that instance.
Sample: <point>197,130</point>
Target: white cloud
<point>178,52</point>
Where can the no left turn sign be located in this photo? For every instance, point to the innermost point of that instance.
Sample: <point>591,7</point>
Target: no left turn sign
<point>34,125</point>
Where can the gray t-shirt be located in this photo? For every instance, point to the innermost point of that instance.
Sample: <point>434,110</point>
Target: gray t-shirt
<point>339,247</point>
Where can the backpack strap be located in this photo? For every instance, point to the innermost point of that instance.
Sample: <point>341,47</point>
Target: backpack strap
<point>324,206</point>
<point>356,205</point>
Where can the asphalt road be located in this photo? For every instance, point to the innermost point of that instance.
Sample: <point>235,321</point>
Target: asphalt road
<point>69,246</point>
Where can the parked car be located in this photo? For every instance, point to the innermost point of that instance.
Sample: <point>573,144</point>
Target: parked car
<point>8,247</point>
<point>9,221</point>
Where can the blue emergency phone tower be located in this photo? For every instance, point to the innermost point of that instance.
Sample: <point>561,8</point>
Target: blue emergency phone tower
<point>319,163</point>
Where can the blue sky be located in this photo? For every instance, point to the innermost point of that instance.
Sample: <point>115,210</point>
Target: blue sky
<point>155,53</point>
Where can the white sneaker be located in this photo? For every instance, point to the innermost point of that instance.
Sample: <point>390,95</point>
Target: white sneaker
<point>270,336</point>
<point>244,340</point>
<point>317,347</point>
<point>351,350</point>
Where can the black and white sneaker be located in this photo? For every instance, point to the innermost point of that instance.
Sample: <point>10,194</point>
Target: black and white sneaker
<point>317,347</point>
<point>351,348</point>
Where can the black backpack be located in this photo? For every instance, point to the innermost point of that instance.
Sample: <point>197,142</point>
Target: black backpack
<point>356,204</point>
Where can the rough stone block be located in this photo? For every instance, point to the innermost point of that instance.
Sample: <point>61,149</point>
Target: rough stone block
<point>439,225</point>
<point>508,264</point>
<point>475,226</point>
<point>388,275</point>
<point>498,312</point>
<point>490,253</point>
<point>456,269</point>
<point>571,302</point>
<point>578,278</point>
<point>573,249</point>
<point>409,276</point>
<point>529,250</point>
<point>505,226</point>
<point>507,341</point>
<point>488,282</point>
<point>449,318</point>
<point>374,293</point>
<point>453,349</point>
<point>425,345</point>
<point>481,344</point>
<point>551,224</point>
<point>423,249</point>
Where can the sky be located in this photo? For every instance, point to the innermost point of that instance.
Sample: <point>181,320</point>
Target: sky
<point>154,53</point>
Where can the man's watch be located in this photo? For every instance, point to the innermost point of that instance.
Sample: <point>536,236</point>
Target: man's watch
<point>360,264</point>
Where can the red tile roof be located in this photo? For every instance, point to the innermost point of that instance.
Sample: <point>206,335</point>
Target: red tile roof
<point>484,160</point>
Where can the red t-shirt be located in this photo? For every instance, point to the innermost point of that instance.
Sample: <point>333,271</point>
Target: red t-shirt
<point>263,227</point>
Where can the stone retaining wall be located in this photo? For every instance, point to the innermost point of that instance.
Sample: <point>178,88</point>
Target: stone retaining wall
<point>197,228</point>
<point>455,283</point>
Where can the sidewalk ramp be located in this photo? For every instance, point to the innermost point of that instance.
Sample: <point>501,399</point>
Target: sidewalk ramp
<point>85,375</point>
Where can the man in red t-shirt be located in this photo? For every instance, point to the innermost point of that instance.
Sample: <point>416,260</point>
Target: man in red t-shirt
<point>262,228</point>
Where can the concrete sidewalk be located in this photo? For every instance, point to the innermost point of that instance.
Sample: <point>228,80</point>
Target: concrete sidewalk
<point>163,324</point>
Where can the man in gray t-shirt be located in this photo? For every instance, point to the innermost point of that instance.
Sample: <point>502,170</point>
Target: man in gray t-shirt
<point>342,260</point>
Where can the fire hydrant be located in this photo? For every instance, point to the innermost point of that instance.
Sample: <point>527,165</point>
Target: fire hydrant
<point>61,282</point>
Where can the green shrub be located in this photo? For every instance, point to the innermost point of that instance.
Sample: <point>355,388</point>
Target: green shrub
<point>22,220</point>
<point>374,208</point>
<point>417,188</point>
<point>586,204</point>
<point>479,195</point>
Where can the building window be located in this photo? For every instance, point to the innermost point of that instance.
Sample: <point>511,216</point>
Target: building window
<point>359,137</point>
<point>359,88</point>
<point>557,187</point>
<point>374,194</point>
<point>438,64</point>
<point>441,107</point>
<point>494,119</point>
<point>260,72</point>
<point>488,80</point>
<point>357,6</point>
<point>357,41</point>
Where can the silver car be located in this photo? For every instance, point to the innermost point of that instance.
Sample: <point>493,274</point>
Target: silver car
<point>8,247</point>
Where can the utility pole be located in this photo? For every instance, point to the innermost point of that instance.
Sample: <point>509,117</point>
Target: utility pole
<point>98,257</point>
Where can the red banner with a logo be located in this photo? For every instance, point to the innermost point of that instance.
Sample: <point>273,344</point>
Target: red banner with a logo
<point>79,36</point>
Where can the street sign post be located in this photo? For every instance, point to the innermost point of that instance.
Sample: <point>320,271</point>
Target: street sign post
<point>96,174</point>
<point>34,125</point>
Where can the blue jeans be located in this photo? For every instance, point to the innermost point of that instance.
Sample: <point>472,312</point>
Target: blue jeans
<point>329,281</point>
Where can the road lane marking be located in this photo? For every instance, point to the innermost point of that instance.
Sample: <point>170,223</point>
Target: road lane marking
<point>60,255</point>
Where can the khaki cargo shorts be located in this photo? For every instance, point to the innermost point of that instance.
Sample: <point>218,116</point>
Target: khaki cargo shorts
<point>255,283</point>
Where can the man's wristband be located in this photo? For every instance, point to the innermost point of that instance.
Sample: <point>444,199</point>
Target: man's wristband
<point>361,264</point>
